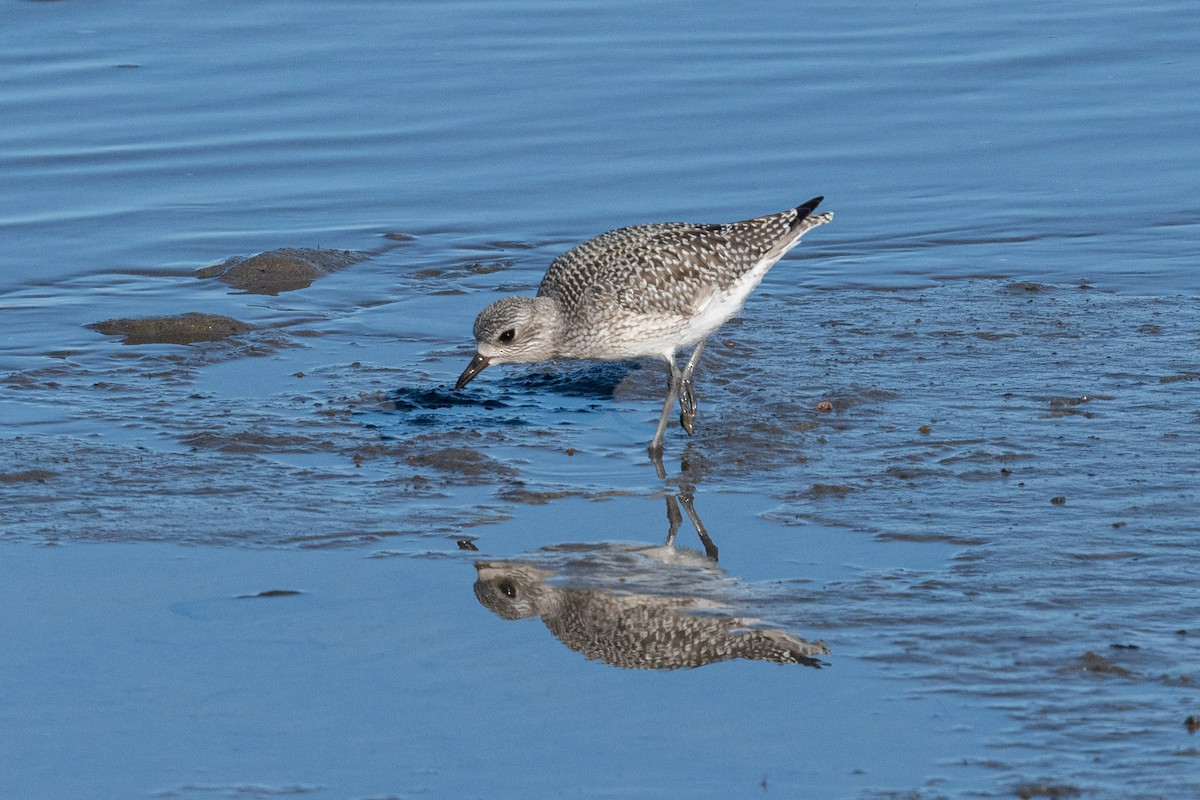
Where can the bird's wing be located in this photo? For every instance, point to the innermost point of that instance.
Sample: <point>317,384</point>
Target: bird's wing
<point>645,268</point>
<point>669,266</point>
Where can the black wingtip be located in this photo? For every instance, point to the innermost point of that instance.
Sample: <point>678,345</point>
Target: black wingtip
<point>804,209</point>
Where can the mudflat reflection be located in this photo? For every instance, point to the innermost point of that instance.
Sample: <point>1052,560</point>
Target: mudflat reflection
<point>640,607</point>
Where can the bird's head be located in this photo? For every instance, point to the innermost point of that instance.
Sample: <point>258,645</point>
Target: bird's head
<point>512,589</point>
<point>512,330</point>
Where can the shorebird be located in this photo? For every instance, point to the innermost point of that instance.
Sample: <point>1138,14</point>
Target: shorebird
<point>642,291</point>
<point>610,622</point>
<point>640,606</point>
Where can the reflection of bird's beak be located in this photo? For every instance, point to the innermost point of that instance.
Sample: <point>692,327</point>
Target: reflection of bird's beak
<point>478,364</point>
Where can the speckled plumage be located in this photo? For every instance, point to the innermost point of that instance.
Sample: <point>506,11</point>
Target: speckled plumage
<point>633,630</point>
<point>646,290</point>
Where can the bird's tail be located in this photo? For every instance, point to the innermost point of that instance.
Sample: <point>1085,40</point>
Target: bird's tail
<point>798,221</point>
<point>805,220</point>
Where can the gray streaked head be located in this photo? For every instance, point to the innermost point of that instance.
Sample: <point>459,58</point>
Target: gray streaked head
<point>513,330</point>
<point>512,589</point>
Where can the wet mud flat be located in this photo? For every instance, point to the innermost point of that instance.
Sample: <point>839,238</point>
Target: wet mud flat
<point>1042,436</point>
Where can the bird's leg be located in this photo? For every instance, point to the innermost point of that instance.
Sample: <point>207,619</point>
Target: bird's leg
<point>656,444</point>
<point>657,462</point>
<point>674,519</point>
<point>687,392</point>
<point>688,501</point>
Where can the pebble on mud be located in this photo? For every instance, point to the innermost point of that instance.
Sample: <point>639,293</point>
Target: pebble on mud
<point>282,270</point>
<point>179,329</point>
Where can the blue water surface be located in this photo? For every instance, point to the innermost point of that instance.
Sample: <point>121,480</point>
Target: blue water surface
<point>994,529</point>
<point>1040,140</point>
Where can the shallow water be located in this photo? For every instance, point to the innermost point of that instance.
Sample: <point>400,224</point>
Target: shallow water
<point>993,528</point>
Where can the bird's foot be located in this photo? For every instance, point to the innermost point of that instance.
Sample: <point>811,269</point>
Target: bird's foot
<point>655,451</point>
<point>687,407</point>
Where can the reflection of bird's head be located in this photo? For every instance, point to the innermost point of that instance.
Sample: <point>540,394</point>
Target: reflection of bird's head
<point>511,589</point>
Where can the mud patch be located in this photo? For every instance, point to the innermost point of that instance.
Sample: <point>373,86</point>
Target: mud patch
<point>270,593</point>
<point>254,442</point>
<point>518,493</point>
<point>284,270</point>
<point>180,329</point>
<point>1026,286</point>
<point>1052,791</point>
<point>465,462</point>
<point>1096,664</point>
<point>27,476</point>
<point>819,490</point>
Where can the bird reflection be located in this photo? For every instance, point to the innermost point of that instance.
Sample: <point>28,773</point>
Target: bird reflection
<point>641,607</point>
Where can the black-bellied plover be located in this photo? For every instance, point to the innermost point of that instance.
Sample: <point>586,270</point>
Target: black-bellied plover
<point>646,290</point>
<point>613,623</point>
<point>642,607</point>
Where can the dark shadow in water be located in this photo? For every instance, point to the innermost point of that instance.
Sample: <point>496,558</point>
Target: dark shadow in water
<point>411,398</point>
<point>592,380</point>
<point>639,606</point>
<point>596,380</point>
<point>443,407</point>
<point>519,398</point>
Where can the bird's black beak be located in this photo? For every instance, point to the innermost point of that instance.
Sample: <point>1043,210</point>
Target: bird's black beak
<point>478,364</point>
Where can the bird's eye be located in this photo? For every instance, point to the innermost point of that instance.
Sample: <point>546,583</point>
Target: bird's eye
<point>507,336</point>
<point>509,590</point>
